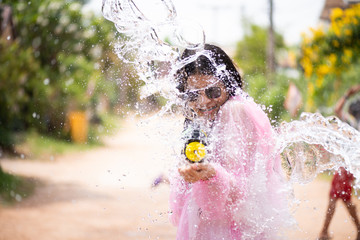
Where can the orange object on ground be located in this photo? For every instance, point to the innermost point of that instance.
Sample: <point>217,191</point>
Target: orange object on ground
<point>78,126</point>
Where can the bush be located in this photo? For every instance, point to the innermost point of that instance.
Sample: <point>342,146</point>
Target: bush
<point>14,188</point>
<point>23,94</point>
<point>58,63</point>
<point>330,58</point>
<point>271,96</point>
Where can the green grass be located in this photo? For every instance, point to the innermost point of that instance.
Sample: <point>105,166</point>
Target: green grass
<point>36,146</point>
<point>14,188</point>
<point>109,125</point>
<point>32,145</point>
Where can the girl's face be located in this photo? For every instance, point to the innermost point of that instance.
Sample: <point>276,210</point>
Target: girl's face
<point>205,94</point>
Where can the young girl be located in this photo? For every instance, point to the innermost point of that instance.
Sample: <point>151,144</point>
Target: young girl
<point>239,191</point>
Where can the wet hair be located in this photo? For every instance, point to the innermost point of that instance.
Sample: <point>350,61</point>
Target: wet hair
<point>354,109</point>
<point>207,65</point>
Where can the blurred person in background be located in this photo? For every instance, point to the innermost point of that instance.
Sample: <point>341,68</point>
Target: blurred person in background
<point>341,185</point>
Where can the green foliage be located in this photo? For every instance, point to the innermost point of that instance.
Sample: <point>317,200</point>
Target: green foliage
<point>41,147</point>
<point>270,96</point>
<point>251,58</point>
<point>330,59</point>
<point>325,97</point>
<point>14,188</point>
<point>21,82</point>
<point>251,50</point>
<point>57,63</point>
<point>33,145</point>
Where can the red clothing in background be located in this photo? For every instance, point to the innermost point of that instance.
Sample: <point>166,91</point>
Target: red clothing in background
<point>341,186</point>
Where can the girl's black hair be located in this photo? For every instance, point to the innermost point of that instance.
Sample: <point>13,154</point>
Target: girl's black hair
<point>203,65</point>
<point>354,109</point>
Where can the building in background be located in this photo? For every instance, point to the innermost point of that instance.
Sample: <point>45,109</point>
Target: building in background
<point>330,4</point>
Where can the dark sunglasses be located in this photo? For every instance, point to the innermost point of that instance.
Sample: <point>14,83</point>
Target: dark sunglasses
<point>211,93</point>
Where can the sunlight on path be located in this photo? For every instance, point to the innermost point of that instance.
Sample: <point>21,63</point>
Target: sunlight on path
<point>98,194</point>
<point>105,193</point>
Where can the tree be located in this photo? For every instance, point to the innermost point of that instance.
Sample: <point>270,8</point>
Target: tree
<point>328,55</point>
<point>270,56</point>
<point>19,77</point>
<point>251,58</point>
<point>251,50</point>
<point>57,63</point>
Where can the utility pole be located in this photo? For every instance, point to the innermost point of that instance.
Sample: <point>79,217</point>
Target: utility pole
<point>270,53</point>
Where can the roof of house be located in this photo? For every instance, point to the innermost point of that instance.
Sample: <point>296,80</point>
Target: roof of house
<point>330,4</point>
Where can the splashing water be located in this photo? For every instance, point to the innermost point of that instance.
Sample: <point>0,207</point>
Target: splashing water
<point>308,146</point>
<point>145,23</point>
<point>315,144</point>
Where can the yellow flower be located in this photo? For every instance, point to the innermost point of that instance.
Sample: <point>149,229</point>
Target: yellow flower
<point>309,105</point>
<point>350,12</point>
<point>307,65</point>
<point>348,32</point>
<point>311,53</point>
<point>356,6</point>
<point>336,13</point>
<point>332,59</point>
<point>348,53</point>
<point>323,69</point>
<point>336,43</point>
<point>310,100</point>
<point>335,27</point>
<point>305,39</point>
<point>311,89</point>
<point>346,21</point>
<point>346,58</point>
<point>319,82</point>
<point>317,33</point>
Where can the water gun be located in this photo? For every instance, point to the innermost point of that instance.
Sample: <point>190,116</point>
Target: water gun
<point>195,145</point>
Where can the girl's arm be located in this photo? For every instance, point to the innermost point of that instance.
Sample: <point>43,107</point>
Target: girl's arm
<point>212,195</point>
<point>237,135</point>
<point>341,102</point>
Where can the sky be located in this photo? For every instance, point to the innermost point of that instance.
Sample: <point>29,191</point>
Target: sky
<point>222,20</point>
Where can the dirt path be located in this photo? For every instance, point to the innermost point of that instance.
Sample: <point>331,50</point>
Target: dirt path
<point>105,194</point>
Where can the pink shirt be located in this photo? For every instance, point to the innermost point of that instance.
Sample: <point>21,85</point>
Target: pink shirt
<point>247,197</point>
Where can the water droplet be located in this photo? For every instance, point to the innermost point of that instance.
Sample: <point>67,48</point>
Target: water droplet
<point>18,198</point>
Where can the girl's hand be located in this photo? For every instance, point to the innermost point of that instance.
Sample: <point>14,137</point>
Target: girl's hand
<point>195,172</point>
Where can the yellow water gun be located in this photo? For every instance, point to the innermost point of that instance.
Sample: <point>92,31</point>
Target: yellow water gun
<point>195,146</point>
